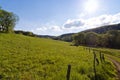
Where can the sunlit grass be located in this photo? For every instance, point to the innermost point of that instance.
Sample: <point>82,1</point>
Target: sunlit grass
<point>30,58</point>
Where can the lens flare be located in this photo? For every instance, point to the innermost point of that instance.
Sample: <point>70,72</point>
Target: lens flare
<point>91,6</point>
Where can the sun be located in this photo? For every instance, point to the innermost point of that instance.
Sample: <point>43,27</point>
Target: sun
<point>91,6</point>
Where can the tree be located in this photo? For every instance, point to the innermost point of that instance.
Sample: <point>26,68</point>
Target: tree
<point>76,40</point>
<point>7,21</point>
<point>104,39</point>
<point>92,39</point>
<point>79,39</point>
<point>114,38</point>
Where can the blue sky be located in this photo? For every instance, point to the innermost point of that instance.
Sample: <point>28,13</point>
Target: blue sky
<point>56,17</point>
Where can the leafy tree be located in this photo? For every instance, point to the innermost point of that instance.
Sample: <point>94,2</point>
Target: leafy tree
<point>114,39</point>
<point>76,39</point>
<point>104,39</point>
<point>7,20</point>
<point>118,40</point>
<point>79,39</point>
<point>92,39</point>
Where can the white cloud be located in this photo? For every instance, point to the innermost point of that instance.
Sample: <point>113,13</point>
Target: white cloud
<point>74,23</point>
<point>49,30</point>
<point>77,25</point>
<point>41,29</point>
<point>92,22</point>
<point>71,25</point>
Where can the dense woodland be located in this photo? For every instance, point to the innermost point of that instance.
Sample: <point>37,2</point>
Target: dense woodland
<point>110,39</point>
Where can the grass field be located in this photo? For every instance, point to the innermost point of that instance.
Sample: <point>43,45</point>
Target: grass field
<point>30,58</point>
<point>114,53</point>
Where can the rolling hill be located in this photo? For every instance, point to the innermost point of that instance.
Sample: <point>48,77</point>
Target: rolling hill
<point>31,58</point>
<point>104,29</point>
<point>100,30</point>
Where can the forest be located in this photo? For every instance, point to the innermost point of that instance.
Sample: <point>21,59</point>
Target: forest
<point>110,39</point>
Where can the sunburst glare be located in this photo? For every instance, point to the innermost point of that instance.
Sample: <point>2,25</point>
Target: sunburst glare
<point>91,6</point>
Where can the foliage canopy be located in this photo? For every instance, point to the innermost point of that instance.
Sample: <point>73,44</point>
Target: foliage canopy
<point>7,21</point>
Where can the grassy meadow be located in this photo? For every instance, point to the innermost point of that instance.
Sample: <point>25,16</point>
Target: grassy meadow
<point>113,53</point>
<point>31,58</point>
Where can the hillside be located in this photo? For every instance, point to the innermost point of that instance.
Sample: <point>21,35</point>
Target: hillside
<point>63,37</point>
<point>104,29</point>
<point>30,58</point>
<point>47,36</point>
<point>100,30</point>
<point>66,37</point>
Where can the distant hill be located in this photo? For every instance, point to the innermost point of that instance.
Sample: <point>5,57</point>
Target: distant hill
<point>63,37</point>
<point>66,37</point>
<point>100,30</point>
<point>104,29</point>
<point>47,36</point>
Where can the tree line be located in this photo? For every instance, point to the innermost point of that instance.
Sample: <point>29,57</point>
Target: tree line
<point>110,39</point>
<point>26,33</point>
<point>7,21</point>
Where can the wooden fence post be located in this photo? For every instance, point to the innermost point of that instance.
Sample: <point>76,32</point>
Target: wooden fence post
<point>94,65</point>
<point>89,50</point>
<point>101,57</point>
<point>68,72</point>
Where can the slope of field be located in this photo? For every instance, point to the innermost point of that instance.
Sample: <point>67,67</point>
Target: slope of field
<point>114,56</point>
<point>30,58</point>
<point>114,53</point>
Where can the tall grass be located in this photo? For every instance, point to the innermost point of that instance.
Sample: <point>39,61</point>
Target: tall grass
<point>30,58</point>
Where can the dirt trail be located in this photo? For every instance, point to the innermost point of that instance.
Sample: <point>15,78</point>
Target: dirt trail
<point>117,64</point>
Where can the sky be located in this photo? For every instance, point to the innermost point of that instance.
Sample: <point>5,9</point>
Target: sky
<point>56,17</point>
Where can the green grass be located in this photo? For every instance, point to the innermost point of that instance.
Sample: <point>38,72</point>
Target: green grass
<point>113,53</point>
<point>30,58</point>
